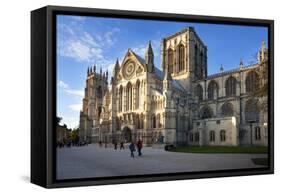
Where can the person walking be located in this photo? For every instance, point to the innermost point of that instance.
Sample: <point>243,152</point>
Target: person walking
<point>139,146</point>
<point>115,145</point>
<point>132,149</point>
<point>122,145</point>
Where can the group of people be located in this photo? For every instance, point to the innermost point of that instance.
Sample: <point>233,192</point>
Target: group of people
<point>114,143</point>
<point>132,146</point>
<point>70,143</point>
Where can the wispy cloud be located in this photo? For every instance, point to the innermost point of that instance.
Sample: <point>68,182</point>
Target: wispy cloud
<point>72,122</point>
<point>73,92</point>
<point>76,107</point>
<point>63,85</point>
<point>77,43</point>
<point>141,48</point>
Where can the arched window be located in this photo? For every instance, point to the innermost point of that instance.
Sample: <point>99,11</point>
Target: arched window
<point>213,90</point>
<point>199,92</point>
<point>129,96</point>
<point>120,98</point>
<point>206,112</point>
<point>181,57</point>
<point>138,94</point>
<point>197,136</point>
<point>99,111</point>
<point>191,137</point>
<point>170,60</point>
<point>212,136</point>
<point>252,81</point>
<point>137,121</point>
<point>99,92</point>
<point>153,119</point>
<point>158,121</point>
<point>196,66</point>
<point>227,109</point>
<point>222,135</point>
<point>251,111</point>
<point>230,86</point>
<point>201,65</point>
<point>117,124</point>
<point>141,121</point>
<point>257,133</point>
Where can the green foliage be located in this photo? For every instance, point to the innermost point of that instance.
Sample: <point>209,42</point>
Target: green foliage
<point>221,149</point>
<point>74,135</point>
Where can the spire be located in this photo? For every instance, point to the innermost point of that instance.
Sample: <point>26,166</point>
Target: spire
<point>221,68</point>
<point>149,50</point>
<point>262,51</point>
<point>101,70</point>
<point>263,46</point>
<point>116,67</point>
<point>149,58</point>
<point>94,69</point>
<point>241,64</point>
<point>88,71</point>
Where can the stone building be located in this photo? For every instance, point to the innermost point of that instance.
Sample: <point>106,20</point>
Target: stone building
<point>179,104</point>
<point>63,133</point>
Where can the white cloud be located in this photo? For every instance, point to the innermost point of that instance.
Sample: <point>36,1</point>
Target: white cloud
<point>109,36</point>
<point>65,87</point>
<point>140,50</point>
<point>75,42</point>
<point>71,122</point>
<point>78,93</point>
<point>76,107</point>
<point>62,84</point>
<point>76,50</point>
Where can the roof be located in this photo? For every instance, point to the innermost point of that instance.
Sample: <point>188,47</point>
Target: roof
<point>232,71</point>
<point>140,59</point>
<point>160,75</point>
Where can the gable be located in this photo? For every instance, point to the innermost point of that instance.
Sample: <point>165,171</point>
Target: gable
<point>132,65</point>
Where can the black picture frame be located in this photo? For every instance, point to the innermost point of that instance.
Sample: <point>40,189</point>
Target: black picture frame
<point>43,95</point>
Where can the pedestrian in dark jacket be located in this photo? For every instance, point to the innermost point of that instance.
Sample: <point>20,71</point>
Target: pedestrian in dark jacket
<point>139,146</point>
<point>132,149</point>
<point>115,145</point>
<point>122,145</point>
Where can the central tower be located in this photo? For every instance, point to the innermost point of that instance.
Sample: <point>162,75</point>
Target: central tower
<point>184,55</point>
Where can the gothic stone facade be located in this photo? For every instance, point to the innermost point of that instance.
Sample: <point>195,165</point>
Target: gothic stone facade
<point>180,104</point>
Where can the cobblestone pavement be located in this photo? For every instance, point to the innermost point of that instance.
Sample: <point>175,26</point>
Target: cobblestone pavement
<point>93,161</point>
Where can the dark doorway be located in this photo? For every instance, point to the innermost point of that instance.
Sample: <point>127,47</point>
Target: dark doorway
<point>127,134</point>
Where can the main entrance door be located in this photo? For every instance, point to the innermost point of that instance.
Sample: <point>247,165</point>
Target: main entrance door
<point>127,134</point>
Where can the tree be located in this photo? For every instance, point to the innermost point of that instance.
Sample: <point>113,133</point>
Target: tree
<point>74,135</point>
<point>58,120</point>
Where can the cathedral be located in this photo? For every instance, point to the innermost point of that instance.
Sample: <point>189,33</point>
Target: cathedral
<point>179,104</point>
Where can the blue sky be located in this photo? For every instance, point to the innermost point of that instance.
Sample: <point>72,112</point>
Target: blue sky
<point>83,41</point>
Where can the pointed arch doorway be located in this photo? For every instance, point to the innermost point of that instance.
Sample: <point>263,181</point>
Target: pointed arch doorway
<point>127,134</point>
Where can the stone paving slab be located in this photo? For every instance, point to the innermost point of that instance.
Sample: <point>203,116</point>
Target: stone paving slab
<point>93,161</point>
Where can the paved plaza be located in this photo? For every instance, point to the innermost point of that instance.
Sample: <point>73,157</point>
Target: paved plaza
<point>94,161</point>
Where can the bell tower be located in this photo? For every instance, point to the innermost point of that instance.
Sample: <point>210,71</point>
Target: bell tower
<point>184,55</point>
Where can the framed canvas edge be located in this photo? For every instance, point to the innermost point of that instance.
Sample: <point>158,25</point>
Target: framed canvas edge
<point>51,87</point>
